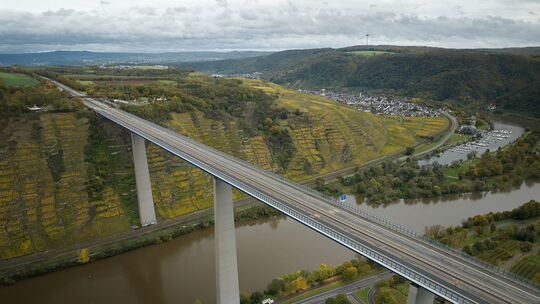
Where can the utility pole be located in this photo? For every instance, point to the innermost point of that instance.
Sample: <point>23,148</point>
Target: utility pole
<point>367,39</point>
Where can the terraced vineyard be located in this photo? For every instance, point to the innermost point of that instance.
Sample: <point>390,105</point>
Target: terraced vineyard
<point>43,197</point>
<point>328,135</point>
<point>178,188</point>
<point>64,179</point>
<point>397,136</point>
<point>528,266</point>
<point>425,126</point>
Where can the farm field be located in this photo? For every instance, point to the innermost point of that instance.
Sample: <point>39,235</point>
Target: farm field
<point>397,136</point>
<point>528,266</point>
<point>14,79</point>
<point>86,82</point>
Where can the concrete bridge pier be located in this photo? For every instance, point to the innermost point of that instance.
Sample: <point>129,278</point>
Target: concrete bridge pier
<point>419,295</point>
<point>147,213</point>
<point>225,238</point>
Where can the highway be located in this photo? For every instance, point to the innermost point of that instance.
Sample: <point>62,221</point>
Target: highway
<point>431,267</point>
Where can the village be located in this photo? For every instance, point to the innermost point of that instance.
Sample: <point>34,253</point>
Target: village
<point>379,104</point>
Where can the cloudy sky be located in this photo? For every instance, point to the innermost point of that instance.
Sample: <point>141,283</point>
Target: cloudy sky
<point>172,25</point>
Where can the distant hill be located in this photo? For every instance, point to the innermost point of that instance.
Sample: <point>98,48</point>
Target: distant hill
<point>86,58</point>
<point>516,51</point>
<point>467,76</point>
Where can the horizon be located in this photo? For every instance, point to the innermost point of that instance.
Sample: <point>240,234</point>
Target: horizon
<point>267,51</point>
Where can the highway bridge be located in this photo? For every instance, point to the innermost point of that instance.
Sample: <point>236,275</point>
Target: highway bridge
<point>432,268</point>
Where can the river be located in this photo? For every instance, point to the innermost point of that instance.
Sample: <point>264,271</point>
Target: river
<point>182,270</point>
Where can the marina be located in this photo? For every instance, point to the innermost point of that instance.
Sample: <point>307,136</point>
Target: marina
<point>502,134</point>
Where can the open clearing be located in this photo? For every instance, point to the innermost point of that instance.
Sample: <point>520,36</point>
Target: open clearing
<point>369,53</point>
<point>14,79</point>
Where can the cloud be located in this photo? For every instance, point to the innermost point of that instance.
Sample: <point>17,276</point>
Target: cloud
<point>288,25</point>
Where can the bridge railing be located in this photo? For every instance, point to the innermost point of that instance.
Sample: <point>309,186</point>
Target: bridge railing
<point>388,263</point>
<point>430,285</point>
<point>443,246</point>
<point>355,209</point>
<point>387,223</point>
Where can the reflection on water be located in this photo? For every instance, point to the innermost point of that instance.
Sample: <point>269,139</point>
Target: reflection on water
<point>450,210</point>
<point>183,270</point>
<point>449,156</point>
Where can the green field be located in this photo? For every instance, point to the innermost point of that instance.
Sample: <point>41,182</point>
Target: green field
<point>165,81</point>
<point>150,67</point>
<point>363,294</point>
<point>528,267</point>
<point>86,82</point>
<point>369,53</point>
<point>14,79</point>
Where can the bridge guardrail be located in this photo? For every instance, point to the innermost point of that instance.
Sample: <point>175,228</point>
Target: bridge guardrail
<point>444,246</point>
<point>434,287</point>
<point>430,285</point>
<point>390,224</point>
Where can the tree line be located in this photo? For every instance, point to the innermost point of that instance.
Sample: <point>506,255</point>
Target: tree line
<point>392,180</point>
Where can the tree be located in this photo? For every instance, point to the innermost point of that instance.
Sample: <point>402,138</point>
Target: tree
<point>275,129</point>
<point>342,299</point>
<point>277,285</point>
<point>467,249</point>
<point>300,283</point>
<point>396,280</point>
<point>366,267</point>
<point>322,273</point>
<point>493,227</point>
<point>256,297</point>
<point>268,121</point>
<point>84,257</point>
<point>244,299</point>
<point>471,154</point>
<point>350,273</point>
<point>525,247</point>
<point>409,150</point>
<point>381,283</point>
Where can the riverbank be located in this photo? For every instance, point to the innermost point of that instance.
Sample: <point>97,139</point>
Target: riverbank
<point>50,261</point>
<point>56,259</point>
<point>181,269</point>
<point>498,237</point>
<point>491,171</point>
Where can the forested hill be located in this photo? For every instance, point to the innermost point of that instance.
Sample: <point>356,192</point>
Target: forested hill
<point>467,76</point>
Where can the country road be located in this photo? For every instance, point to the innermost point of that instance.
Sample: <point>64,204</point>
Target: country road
<point>345,289</point>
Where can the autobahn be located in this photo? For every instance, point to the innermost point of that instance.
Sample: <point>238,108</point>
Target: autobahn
<point>416,259</point>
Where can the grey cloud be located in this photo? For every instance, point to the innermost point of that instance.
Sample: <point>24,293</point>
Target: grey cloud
<point>180,28</point>
<point>222,2</point>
